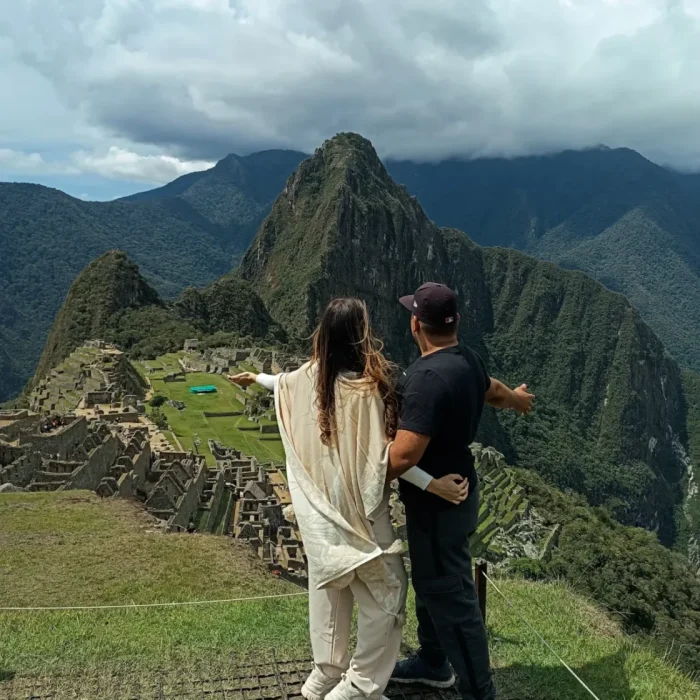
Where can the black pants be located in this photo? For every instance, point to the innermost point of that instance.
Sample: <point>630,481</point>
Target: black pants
<point>449,621</point>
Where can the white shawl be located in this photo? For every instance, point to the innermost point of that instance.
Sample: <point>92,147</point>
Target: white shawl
<point>338,491</point>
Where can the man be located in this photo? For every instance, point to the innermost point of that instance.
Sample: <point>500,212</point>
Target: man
<point>443,394</point>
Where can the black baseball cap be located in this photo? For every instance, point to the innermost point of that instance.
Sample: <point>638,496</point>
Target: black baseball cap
<point>433,303</point>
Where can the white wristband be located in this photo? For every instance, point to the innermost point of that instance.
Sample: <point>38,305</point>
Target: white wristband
<point>417,477</point>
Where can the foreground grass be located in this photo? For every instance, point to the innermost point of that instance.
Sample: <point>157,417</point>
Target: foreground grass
<point>230,430</point>
<point>72,548</point>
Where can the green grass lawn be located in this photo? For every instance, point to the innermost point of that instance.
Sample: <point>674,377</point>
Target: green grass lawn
<point>190,422</point>
<point>74,549</point>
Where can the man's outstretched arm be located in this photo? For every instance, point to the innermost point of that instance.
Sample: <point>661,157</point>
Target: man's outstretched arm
<point>499,395</point>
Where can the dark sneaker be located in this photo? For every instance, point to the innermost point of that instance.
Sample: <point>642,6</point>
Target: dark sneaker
<point>415,670</point>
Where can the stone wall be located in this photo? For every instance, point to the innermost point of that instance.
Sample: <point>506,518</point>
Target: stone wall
<point>127,485</point>
<point>21,470</point>
<point>9,453</point>
<point>189,501</point>
<point>20,423</point>
<point>93,398</point>
<point>218,491</point>
<point>172,456</point>
<point>61,441</point>
<point>221,414</point>
<point>97,466</point>
<point>141,464</point>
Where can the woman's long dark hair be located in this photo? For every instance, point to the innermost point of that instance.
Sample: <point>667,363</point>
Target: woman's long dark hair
<point>344,342</point>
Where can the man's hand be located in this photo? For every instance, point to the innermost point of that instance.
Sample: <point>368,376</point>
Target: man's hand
<point>500,396</point>
<point>242,379</point>
<point>522,400</point>
<point>452,488</point>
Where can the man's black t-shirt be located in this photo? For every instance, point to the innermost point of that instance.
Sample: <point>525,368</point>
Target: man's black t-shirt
<point>442,396</point>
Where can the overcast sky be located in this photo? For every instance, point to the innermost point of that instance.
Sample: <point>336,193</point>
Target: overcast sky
<point>106,97</point>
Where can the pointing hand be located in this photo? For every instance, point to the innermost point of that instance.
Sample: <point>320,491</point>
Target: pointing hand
<point>522,400</point>
<point>242,379</point>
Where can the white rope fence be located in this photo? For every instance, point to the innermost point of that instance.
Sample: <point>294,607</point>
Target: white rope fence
<point>540,637</point>
<point>152,605</point>
<point>278,596</point>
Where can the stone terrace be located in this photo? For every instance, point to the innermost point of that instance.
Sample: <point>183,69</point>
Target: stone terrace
<point>96,369</point>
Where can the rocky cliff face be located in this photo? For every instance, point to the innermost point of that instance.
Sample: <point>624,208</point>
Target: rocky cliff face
<point>609,397</point>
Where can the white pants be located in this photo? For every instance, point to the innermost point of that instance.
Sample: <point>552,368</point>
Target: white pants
<point>378,633</point>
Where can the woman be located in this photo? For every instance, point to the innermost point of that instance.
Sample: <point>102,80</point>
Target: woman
<point>336,415</point>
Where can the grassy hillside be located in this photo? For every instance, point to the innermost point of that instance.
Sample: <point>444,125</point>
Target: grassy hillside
<point>648,587</point>
<point>74,548</point>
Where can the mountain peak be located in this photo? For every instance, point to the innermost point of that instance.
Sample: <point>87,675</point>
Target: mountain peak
<point>339,213</point>
<point>110,283</point>
<point>353,154</point>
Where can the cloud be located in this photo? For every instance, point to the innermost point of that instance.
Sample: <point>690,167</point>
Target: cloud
<point>17,161</point>
<point>116,163</point>
<point>20,162</point>
<point>119,163</point>
<point>421,78</point>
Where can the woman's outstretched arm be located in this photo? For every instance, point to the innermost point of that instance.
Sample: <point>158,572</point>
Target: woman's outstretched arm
<point>248,378</point>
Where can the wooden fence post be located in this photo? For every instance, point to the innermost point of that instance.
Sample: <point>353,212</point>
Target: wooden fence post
<point>480,569</point>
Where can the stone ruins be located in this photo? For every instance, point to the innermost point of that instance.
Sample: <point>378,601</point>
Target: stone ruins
<point>225,360</point>
<point>87,429</point>
<point>261,498</point>
<point>95,368</point>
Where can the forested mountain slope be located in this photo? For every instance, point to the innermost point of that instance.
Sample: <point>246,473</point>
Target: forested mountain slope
<point>186,233</point>
<point>235,195</point>
<point>112,301</point>
<point>625,221</point>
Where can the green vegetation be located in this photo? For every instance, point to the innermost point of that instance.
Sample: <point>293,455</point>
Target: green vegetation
<point>109,285</point>
<point>47,238</point>
<point>111,301</point>
<point>611,213</point>
<point>229,305</point>
<point>235,431</point>
<point>102,654</point>
<point>689,516</point>
<point>624,569</point>
<point>186,233</point>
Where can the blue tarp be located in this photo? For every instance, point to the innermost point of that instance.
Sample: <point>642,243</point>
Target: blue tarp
<point>207,389</point>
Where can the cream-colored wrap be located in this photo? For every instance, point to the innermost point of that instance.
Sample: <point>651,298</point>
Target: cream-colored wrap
<point>338,491</point>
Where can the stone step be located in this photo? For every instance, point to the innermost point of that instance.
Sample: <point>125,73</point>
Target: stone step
<point>57,477</point>
<point>45,486</point>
